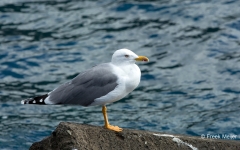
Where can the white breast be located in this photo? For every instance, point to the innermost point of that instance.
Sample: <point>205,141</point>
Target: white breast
<point>128,80</point>
<point>133,77</point>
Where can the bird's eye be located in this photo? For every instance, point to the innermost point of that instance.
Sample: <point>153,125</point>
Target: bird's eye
<point>126,56</point>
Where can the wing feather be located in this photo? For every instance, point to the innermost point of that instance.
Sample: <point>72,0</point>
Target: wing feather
<point>86,87</point>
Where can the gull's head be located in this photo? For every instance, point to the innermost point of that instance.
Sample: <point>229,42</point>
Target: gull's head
<point>126,56</point>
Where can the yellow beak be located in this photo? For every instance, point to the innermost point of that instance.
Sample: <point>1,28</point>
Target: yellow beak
<point>142,58</point>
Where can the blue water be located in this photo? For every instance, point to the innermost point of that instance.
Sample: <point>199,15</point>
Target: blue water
<point>190,86</point>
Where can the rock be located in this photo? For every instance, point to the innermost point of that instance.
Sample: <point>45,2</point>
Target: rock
<point>73,136</point>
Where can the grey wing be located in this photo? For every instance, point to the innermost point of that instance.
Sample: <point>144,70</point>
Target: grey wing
<point>86,87</point>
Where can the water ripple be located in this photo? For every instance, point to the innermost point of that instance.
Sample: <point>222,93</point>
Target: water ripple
<point>190,86</point>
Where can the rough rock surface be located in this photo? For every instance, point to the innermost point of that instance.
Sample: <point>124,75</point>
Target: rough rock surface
<point>73,136</point>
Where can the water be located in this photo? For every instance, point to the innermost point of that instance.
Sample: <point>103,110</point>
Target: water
<point>190,86</point>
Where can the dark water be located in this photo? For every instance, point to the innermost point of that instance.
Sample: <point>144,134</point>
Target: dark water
<point>190,86</point>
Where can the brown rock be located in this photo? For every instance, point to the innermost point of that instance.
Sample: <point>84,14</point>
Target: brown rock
<point>73,136</point>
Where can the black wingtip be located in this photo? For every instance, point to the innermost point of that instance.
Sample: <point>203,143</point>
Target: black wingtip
<point>40,100</point>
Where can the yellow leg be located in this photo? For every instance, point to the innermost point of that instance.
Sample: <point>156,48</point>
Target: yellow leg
<point>107,125</point>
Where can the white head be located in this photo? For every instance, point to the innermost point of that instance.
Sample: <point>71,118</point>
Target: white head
<point>126,56</point>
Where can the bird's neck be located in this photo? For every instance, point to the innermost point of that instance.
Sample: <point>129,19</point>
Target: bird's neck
<point>129,69</point>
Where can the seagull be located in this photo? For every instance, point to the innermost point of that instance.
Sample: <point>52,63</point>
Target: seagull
<point>100,85</point>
